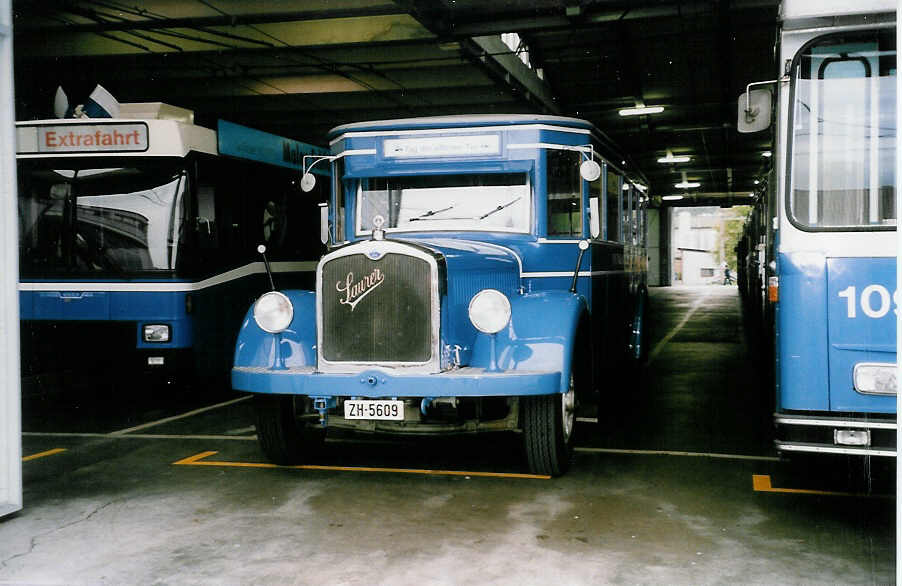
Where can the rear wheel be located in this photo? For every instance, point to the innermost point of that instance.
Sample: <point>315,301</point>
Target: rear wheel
<point>548,430</point>
<point>283,437</point>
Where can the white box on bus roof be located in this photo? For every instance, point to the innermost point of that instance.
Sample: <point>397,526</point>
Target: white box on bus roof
<point>804,9</point>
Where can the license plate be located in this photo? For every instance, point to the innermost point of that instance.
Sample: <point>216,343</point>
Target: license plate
<point>380,410</point>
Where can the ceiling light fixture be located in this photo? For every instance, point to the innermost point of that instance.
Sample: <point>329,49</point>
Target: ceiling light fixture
<point>641,110</point>
<point>675,159</point>
<point>767,154</point>
<point>685,183</point>
<point>672,197</point>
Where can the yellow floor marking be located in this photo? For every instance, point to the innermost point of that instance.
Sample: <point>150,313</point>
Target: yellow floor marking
<point>762,483</point>
<point>42,454</point>
<point>199,460</point>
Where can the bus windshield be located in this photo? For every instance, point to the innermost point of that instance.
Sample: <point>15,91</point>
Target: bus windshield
<point>844,133</point>
<point>497,202</point>
<point>98,220</point>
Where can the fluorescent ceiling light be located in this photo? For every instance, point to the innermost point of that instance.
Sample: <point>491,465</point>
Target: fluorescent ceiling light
<point>672,197</point>
<point>766,154</point>
<point>639,110</point>
<point>687,184</point>
<point>675,159</point>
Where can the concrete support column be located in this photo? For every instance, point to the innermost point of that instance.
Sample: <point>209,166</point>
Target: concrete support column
<point>10,383</point>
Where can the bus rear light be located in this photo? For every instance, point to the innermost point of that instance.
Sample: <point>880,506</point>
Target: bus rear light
<point>773,289</point>
<point>852,437</point>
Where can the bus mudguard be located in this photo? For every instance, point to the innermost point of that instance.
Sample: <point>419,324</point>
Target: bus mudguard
<point>540,337</point>
<point>293,348</point>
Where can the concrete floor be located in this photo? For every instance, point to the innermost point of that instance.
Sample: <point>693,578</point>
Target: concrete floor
<point>661,491</point>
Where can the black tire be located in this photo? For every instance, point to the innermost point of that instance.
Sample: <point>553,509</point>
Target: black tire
<point>548,451</point>
<point>283,438</point>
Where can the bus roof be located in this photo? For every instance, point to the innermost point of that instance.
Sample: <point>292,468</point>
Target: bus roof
<point>460,121</point>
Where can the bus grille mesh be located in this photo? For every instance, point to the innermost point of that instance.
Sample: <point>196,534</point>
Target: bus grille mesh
<point>376,310</point>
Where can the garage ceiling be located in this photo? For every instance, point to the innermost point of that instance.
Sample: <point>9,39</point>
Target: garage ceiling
<point>298,68</point>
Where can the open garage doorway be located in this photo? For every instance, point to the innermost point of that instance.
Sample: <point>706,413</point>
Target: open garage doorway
<point>702,244</point>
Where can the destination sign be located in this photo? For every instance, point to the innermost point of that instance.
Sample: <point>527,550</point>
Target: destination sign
<point>87,138</point>
<point>443,146</point>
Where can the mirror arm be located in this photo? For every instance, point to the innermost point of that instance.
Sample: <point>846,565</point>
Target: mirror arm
<point>748,89</point>
<point>318,158</point>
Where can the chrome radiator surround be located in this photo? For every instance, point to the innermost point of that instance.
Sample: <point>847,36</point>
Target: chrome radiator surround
<point>376,250</point>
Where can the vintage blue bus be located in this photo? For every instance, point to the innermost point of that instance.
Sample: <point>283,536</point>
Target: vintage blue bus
<point>136,240</point>
<point>484,273</point>
<point>819,248</point>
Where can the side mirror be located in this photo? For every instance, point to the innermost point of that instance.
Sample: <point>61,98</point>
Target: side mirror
<point>594,218</point>
<point>590,170</point>
<point>323,223</point>
<point>754,111</point>
<point>308,181</point>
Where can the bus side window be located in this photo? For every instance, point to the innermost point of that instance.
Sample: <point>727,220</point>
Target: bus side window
<point>206,217</point>
<point>612,201</point>
<point>338,209</point>
<point>634,214</point>
<point>626,194</point>
<point>564,186</point>
<point>596,190</point>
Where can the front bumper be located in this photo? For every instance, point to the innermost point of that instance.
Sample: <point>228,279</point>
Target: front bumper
<point>461,382</point>
<point>817,434</point>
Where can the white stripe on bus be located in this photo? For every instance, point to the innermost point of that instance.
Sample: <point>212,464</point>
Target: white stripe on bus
<point>169,287</point>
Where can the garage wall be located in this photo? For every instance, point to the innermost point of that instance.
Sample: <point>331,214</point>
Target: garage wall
<point>10,397</point>
<point>655,249</point>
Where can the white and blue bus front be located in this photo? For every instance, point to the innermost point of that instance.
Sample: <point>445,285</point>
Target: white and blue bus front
<point>835,267</point>
<point>102,208</point>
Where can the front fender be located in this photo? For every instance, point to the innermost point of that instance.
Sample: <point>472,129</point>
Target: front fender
<point>540,337</point>
<point>295,347</point>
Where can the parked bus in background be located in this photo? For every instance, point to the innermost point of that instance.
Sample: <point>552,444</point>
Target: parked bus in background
<point>485,273</point>
<point>819,250</point>
<point>136,239</point>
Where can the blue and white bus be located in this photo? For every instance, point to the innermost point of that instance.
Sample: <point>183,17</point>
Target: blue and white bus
<point>485,273</point>
<point>137,240</point>
<point>819,254</point>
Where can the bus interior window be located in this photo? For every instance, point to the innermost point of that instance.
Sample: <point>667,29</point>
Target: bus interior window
<point>564,194</point>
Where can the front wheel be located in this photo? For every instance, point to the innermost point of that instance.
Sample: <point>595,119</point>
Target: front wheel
<point>548,431</point>
<point>283,438</point>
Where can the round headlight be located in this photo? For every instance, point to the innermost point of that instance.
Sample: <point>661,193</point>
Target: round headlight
<point>273,312</point>
<point>490,311</point>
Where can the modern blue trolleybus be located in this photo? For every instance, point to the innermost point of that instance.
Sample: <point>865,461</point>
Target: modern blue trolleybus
<point>818,255</point>
<point>137,235</point>
<point>484,273</point>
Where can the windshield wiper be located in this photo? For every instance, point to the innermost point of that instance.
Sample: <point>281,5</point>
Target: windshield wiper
<point>431,213</point>
<point>499,208</point>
